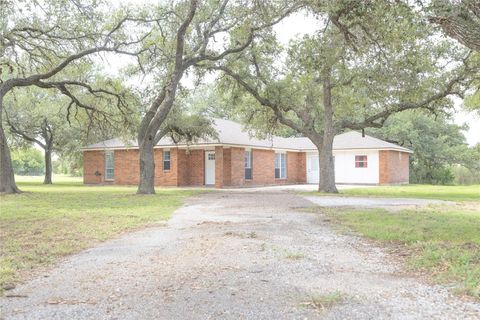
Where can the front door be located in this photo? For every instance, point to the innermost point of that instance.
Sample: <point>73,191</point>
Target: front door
<point>313,175</point>
<point>209,167</point>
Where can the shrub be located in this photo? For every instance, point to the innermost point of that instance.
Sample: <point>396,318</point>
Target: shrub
<point>465,176</point>
<point>28,162</point>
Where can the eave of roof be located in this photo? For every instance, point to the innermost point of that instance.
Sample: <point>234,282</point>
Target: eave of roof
<point>231,134</point>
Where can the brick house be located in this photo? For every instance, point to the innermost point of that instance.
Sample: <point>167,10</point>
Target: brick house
<point>237,159</point>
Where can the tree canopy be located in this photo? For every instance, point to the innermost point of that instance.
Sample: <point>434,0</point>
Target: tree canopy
<point>437,143</point>
<point>362,65</point>
<point>364,62</point>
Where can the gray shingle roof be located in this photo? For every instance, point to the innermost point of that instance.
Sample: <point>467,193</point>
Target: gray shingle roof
<point>232,133</point>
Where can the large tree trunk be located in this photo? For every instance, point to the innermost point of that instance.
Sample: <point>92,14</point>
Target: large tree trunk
<point>48,166</point>
<point>7,177</point>
<point>147,169</point>
<point>327,168</point>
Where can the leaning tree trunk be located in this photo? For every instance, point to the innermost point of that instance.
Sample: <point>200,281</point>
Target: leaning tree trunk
<point>147,168</point>
<point>326,163</point>
<point>7,177</point>
<point>48,166</point>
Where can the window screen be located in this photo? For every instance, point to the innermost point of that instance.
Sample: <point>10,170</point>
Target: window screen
<point>280,166</point>
<point>109,165</point>
<point>248,165</point>
<point>166,160</point>
<point>361,162</point>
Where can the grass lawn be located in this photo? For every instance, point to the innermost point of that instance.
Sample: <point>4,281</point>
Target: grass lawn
<point>440,241</point>
<point>452,193</point>
<point>47,222</point>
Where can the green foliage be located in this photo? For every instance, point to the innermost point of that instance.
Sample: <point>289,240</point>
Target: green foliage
<point>438,145</point>
<point>69,166</point>
<point>360,46</point>
<point>441,175</point>
<point>187,128</point>
<point>28,109</point>
<point>466,176</point>
<point>28,162</point>
<point>38,35</point>
<point>451,193</point>
<point>472,98</point>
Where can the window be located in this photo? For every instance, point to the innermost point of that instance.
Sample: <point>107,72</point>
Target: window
<point>280,165</point>
<point>109,165</point>
<point>166,160</point>
<point>211,156</point>
<point>248,165</point>
<point>361,161</point>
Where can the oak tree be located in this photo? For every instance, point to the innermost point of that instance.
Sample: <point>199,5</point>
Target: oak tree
<point>41,42</point>
<point>366,61</point>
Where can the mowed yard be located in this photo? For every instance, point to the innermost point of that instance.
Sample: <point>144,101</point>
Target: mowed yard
<point>48,222</point>
<point>439,241</point>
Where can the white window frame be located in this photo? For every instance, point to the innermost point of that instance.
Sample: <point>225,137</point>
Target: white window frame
<point>361,163</point>
<point>165,160</point>
<point>281,165</point>
<point>248,163</point>
<point>109,153</point>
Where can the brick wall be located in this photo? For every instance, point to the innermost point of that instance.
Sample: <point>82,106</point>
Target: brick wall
<point>166,177</point>
<point>218,167</point>
<point>93,161</point>
<point>195,170</point>
<point>127,168</point>
<point>394,167</point>
<point>296,167</point>
<point>227,166</point>
<point>237,166</point>
<point>188,167</point>
<point>263,167</point>
<point>182,165</point>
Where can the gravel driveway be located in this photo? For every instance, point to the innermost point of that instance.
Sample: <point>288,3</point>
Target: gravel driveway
<point>233,255</point>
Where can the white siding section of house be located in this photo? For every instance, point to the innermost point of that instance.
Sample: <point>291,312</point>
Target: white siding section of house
<point>345,171</point>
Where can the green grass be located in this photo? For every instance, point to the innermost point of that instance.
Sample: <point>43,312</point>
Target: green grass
<point>452,193</point>
<point>443,242</point>
<point>326,301</point>
<point>294,255</point>
<point>47,222</point>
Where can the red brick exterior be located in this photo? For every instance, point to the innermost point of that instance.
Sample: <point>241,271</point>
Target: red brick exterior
<point>93,162</point>
<point>187,167</point>
<point>394,167</point>
<point>218,167</point>
<point>296,167</point>
<point>191,167</point>
<point>126,166</point>
<point>237,167</point>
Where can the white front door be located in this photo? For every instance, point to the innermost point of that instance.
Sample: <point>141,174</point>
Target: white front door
<point>313,175</point>
<point>209,167</point>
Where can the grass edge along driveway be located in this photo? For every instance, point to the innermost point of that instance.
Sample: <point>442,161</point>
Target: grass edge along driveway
<point>419,191</point>
<point>48,222</point>
<point>442,242</point>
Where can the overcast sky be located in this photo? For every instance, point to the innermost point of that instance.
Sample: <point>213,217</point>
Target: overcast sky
<point>300,24</point>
